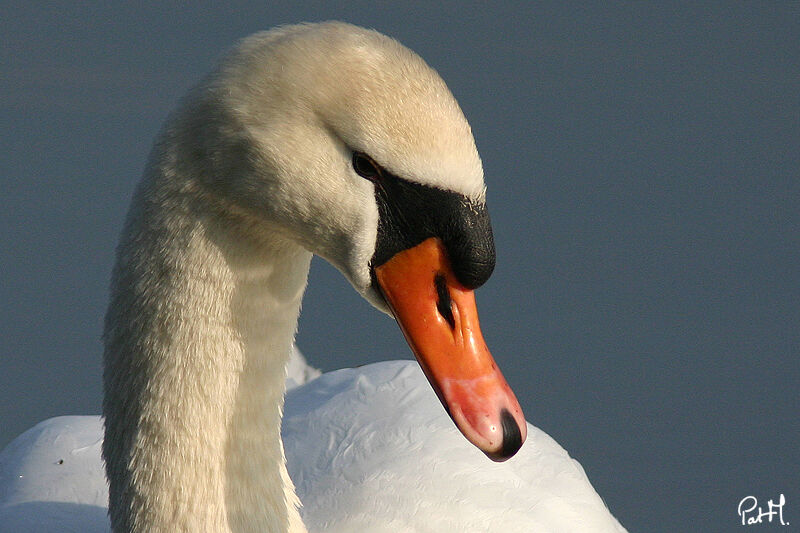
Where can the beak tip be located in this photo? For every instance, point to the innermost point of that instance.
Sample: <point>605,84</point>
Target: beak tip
<point>512,438</point>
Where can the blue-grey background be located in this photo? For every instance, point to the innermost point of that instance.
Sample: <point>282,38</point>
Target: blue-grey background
<point>643,164</point>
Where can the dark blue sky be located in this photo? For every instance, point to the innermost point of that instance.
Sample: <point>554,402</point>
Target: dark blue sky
<point>643,165</point>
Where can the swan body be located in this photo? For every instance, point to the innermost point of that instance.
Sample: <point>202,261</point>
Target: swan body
<point>369,449</point>
<point>320,138</point>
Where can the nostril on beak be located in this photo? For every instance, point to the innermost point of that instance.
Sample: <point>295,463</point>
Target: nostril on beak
<point>444,305</point>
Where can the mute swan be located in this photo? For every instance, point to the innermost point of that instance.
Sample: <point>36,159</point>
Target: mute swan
<point>335,140</point>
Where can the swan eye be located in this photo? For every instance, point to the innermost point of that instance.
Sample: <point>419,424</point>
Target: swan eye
<point>366,167</point>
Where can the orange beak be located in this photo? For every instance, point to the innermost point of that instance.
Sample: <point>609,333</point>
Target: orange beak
<point>440,322</point>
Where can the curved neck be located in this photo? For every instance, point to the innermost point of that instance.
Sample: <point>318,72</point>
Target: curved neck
<point>198,333</point>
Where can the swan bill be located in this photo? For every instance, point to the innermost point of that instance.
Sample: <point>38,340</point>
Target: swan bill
<point>439,319</point>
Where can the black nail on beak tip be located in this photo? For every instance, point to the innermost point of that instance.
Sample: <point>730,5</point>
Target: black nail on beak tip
<point>512,438</point>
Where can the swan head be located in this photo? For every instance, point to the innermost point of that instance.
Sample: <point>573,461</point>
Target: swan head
<point>349,144</point>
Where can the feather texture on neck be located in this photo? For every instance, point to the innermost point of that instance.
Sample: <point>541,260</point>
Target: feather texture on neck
<point>197,336</point>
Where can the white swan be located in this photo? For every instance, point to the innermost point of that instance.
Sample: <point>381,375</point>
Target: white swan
<point>334,140</point>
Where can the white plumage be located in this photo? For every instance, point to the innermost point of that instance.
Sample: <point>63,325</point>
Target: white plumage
<point>369,449</point>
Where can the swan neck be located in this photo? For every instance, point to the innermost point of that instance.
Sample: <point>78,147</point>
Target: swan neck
<point>198,334</point>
